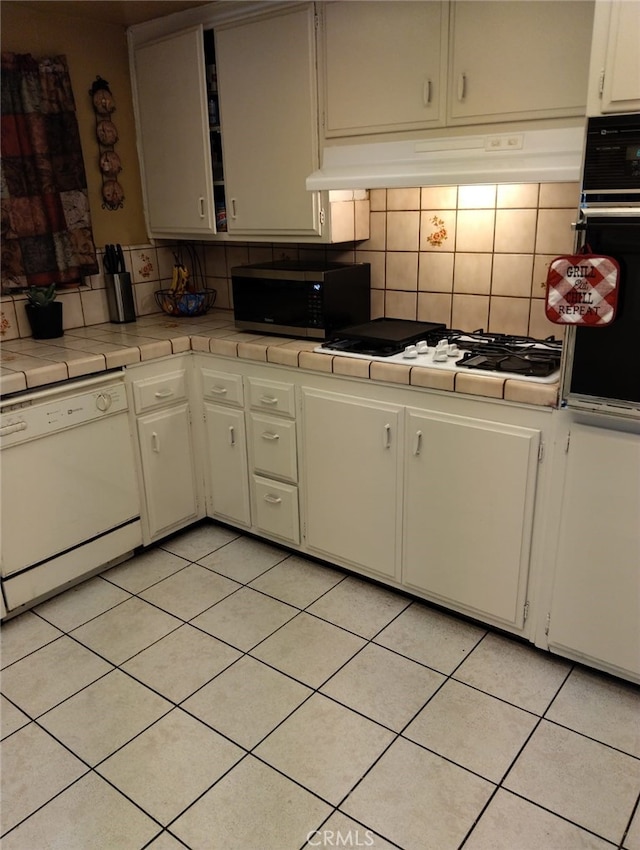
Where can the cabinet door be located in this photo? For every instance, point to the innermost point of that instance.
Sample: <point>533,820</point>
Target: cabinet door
<point>469,498</point>
<point>384,66</point>
<point>621,83</point>
<point>352,479</point>
<point>595,607</point>
<point>167,469</point>
<point>227,470</point>
<point>268,113</point>
<point>513,60</point>
<point>174,134</point>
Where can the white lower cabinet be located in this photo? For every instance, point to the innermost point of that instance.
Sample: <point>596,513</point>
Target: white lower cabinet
<point>226,470</point>
<point>166,452</point>
<point>351,480</point>
<point>468,513</point>
<point>227,473</point>
<point>161,403</point>
<point>595,602</point>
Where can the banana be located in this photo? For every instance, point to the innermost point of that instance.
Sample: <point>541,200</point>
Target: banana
<point>174,278</point>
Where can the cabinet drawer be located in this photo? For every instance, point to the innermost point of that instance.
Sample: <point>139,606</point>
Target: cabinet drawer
<point>274,447</point>
<point>272,396</point>
<point>276,509</point>
<point>150,393</point>
<point>222,388</point>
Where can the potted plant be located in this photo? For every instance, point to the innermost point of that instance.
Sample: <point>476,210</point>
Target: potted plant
<point>44,312</point>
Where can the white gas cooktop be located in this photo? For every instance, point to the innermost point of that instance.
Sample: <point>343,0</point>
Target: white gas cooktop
<point>430,359</point>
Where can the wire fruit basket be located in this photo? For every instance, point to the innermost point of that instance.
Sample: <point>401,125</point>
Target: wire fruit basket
<point>187,295</point>
<point>186,303</point>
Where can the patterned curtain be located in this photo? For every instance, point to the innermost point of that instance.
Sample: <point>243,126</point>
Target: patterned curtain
<point>46,223</point>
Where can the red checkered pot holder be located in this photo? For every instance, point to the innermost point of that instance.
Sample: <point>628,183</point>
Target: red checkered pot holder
<point>582,290</point>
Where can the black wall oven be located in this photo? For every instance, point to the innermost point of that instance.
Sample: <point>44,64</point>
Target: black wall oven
<point>603,364</point>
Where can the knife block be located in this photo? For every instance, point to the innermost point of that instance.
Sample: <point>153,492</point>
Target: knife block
<point>120,297</point>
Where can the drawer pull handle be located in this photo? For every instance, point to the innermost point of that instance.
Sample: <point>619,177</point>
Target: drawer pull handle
<point>13,429</point>
<point>164,394</point>
<point>267,435</point>
<point>155,442</point>
<point>426,92</point>
<point>232,435</point>
<point>462,87</point>
<point>219,390</point>
<point>273,500</point>
<point>268,399</point>
<point>387,436</point>
<point>418,444</point>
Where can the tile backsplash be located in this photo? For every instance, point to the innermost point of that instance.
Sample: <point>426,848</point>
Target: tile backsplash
<point>468,256</point>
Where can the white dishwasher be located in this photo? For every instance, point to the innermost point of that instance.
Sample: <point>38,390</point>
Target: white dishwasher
<point>69,492</point>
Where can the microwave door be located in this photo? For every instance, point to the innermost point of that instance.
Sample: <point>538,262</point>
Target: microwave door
<point>605,362</point>
<point>271,302</point>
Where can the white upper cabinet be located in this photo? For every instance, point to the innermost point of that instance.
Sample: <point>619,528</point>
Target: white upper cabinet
<point>268,111</point>
<point>174,135</point>
<point>401,66</point>
<point>227,118</point>
<point>614,75</point>
<point>383,66</point>
<point>517,60</point>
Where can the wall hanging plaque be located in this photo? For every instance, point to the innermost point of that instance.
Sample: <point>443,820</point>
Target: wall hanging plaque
<point>582,289</point>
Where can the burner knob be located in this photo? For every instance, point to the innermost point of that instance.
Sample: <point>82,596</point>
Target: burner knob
<point>422,346</point>
<point>453,350</point>
<point>410,352</point>
<point>441,354</point>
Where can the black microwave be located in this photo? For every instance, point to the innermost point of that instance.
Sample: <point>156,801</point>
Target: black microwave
<point>302,299</point>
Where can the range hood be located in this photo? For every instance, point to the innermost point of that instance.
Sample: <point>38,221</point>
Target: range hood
<point>530,156</point>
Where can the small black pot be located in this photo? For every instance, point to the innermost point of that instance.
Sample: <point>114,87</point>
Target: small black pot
<point>46,322</point>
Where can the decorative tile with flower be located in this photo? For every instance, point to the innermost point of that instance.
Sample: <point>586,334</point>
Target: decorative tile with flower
<point>107,135</point>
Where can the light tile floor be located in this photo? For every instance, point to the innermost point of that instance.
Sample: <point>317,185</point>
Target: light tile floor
<point>217,692</point>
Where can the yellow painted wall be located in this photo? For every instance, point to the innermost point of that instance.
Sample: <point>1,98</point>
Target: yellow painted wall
<point>91,49</point>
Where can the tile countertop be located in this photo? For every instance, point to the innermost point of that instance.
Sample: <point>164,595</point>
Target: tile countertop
<point>27,363</point>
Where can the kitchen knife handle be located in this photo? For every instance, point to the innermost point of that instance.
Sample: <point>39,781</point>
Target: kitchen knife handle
<point>120,267</point>
<point>417,448</point>
<point>387,436</point>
